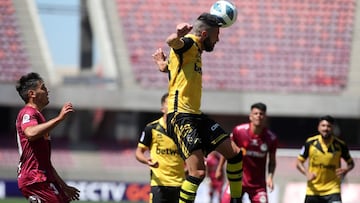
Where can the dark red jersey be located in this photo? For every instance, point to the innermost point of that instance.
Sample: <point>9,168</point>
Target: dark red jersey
<point>257,148</point>
<point>35,164</point>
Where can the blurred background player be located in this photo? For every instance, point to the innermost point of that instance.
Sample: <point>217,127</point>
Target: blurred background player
<point>216,182</point>
<point>37,178</point>
<point>166,165</point>
<point>324,172</point>
<point>195,134</point>
<point>259,146</point>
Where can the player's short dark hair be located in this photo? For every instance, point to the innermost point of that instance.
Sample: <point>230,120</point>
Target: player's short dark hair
<point>205,21</point>
<point>210,20</point>
<point>163,98</point>
<point>327,118</point>
<point>259,105</point>
<point>27,82</point>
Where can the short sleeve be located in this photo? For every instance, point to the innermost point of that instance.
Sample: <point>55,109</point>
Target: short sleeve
<point>28,118</point>
<point>345,154</point>
<point>146,137</point>
<point>304,153</point>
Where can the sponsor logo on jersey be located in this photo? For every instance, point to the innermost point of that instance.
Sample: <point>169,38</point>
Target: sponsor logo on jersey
<point>255,154</point>
<point>263,147</point>
<point>167,151</point>
<point>323,166</point>
<point>216,125</point>
<point>197,69</point>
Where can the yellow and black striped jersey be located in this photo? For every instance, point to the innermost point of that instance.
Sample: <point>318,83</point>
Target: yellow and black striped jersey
<point>163,150</point>
<point>323,161</point>
<point>185,77</point>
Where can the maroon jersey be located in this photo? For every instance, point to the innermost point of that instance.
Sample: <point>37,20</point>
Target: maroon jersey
<point>257,148</point>
<point>35,164</point>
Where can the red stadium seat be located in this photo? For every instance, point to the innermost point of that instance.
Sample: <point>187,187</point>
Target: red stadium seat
<point>13,58</point>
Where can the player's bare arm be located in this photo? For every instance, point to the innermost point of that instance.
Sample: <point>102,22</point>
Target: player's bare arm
<point>174,40</point>
<point>140,156</point>
<point>38,131</point>
<point>271,171</point>
<point>159,58</point>
<point>343,171</point>
<point>300,166</point>
<point>219,170</point>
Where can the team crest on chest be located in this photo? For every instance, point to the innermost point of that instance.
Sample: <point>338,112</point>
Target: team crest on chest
<point>264,147</point>
<point>197,69</point>
<point>26,118</point>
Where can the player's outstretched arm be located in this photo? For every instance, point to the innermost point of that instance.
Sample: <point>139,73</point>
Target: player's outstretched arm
<point>174,40</point>
<point>38,131</point>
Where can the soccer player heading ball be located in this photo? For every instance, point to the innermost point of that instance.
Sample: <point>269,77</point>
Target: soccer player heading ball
<point>195,134</point>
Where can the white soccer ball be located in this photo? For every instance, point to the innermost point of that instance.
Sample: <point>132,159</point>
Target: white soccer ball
<point>225,11</point>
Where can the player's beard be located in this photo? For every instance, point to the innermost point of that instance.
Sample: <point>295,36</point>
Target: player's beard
<point>208,46</point>
<point>326,135</point>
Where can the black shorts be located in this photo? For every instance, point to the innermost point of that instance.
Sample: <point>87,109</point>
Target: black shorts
<point>164,194</point>
<point>333,198</point>
<point>194,131</point>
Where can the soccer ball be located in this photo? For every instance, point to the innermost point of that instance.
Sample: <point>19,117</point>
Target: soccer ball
<point>225,11</point>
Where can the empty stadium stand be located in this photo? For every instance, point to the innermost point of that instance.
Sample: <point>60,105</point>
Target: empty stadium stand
<point>277,52</point>
<point>13,57</point>
<point>287,46</point>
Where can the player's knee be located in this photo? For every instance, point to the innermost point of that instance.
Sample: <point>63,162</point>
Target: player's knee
<point>236,159</point>
<point>199,174</point>
<point>34,199</point>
